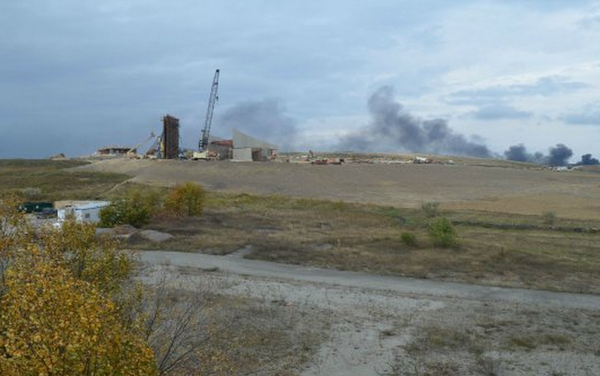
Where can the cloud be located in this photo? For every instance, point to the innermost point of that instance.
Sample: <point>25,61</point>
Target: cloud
<point>589,115</point>
<point>499,111</point>
<point>544,86</point>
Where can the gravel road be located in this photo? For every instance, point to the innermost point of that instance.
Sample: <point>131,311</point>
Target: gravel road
<point>375,319</point>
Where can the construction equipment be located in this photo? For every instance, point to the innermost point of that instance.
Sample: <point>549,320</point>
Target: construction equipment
<point>132,153</point>
<point>204,137</point>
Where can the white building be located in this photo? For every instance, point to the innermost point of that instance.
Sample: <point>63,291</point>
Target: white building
<point>88,211</point>
<point>248,148</point>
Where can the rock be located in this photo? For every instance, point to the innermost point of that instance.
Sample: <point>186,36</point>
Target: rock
<point>124,230</point>
<point>155,236</point>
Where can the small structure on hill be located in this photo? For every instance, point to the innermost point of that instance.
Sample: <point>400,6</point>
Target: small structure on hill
<point>113,150</point>
<point>247,148</point>
<point>83,211</point>
<point>221,149</point>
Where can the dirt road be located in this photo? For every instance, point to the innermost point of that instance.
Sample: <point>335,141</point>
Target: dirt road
<point>389,325</point>
<point>515,190</point>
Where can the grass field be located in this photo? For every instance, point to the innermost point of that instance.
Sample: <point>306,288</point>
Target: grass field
<point>52,180</point>
<point>525,251</point>
<point>534,251</point>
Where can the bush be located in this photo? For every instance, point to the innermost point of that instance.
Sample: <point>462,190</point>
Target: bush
<point>186,199</point>
<point>431,209</point>
<point>443,233</point>
<point>31,193</point>
<point>549,218</point>
<point>135,209</point>
<point>408,238</point>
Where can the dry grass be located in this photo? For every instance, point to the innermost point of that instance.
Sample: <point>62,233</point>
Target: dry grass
<point>485,338</point>
<point>369,238</point>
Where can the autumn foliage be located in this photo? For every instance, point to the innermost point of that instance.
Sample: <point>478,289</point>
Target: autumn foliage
<point>139,206</point>
<point>185,200</point>
<point>62,303</point>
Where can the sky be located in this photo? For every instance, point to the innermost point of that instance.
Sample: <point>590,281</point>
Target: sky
<point>76,75</point>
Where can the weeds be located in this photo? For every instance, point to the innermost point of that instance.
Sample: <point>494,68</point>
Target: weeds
<point>431,209</point>
<point>549,218</point>
<point>443,233</point>
<point>409,239</point>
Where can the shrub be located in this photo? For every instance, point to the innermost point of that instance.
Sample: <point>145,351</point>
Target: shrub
<point>31,193</point>
<point>549,217</point>
<point>443,233</point>
<point>135,209</point>
<point>185,200</point>
<point>431,209</point>
<point>408,238</point>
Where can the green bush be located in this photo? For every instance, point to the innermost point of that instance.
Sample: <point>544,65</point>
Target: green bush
<point>135,209</point>
<point>549,218</point>
<point>408,238</point>
<point>443,233</point>
<point>431,209</point>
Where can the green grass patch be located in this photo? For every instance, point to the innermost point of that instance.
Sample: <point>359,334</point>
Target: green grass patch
<point>53,180</point>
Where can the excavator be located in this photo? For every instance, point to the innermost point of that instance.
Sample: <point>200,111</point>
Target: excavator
<point>203,143</point>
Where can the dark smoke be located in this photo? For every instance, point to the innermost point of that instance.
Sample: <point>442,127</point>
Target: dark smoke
<point>262,119</point>
<point>588,160</point>
<point>518,153</point>
<point>558,155</point>
<point>392,129</point>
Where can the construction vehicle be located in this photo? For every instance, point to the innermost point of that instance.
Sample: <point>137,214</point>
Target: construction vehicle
<point>132,153</point>
<point>203,143</point>
<point>156,151</point>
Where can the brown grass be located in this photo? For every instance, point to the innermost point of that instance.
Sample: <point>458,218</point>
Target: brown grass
<point>369,238</point>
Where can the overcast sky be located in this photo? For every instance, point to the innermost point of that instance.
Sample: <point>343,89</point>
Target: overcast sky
<point>76,75</point>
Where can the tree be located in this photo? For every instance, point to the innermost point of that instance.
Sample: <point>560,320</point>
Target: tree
<point>186,199</point>
<point>54,324</point>
<point>63,310</point>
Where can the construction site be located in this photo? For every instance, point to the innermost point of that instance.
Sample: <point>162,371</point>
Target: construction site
<point>167,145</point>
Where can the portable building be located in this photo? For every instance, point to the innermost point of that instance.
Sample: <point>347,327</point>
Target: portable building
<point>83,212</point>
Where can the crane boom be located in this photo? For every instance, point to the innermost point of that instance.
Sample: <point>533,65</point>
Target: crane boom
<point>203,143</point>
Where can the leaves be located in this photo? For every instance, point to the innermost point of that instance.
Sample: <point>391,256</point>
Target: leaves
<point>62,302</point>
<point>186,199</point>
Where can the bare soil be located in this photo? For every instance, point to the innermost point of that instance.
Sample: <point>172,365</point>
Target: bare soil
<point>503,187</point>
<point>373,325</point>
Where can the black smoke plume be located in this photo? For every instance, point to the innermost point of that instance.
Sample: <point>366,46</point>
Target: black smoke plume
<point>588,160</point>
<point>518,153</point>
<point>392,129</point>
<point>558,155</point>
<point>262,119</point>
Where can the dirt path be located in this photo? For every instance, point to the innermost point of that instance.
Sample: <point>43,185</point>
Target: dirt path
<point>381,325</point>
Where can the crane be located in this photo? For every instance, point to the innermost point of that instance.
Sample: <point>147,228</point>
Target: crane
<point>203,143</point>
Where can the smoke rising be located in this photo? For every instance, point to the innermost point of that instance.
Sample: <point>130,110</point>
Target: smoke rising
<point>392,129</point>
<point>588,160</point>
<point>262,119</point>
<point>558,155</point>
